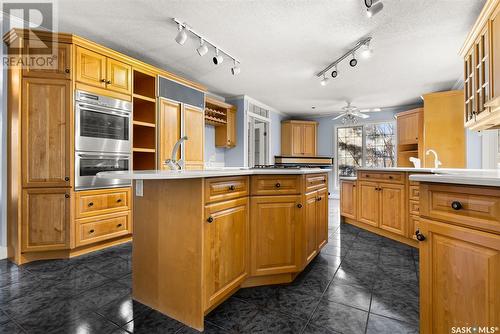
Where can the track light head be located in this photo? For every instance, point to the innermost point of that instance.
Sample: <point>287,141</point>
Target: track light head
<point>374,9</point>
<point>369,3</point>
<point>235,70</point>
<point>353,62</point>
<point>366,50</point>
<point>181,35</point>
<point>218,59</point>
<point>324,81</point>
<point>335,72</point>
<point>203,48</point>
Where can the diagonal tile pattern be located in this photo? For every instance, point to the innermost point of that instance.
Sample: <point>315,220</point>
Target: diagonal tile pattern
<point>359,283</point>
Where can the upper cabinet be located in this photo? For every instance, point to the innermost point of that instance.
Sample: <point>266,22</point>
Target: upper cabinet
<point>298,138</point>
<point>60,70</point>
<point>481,51</point>
<point>410,128</point>
<point>97,70</point>
<point>223,117</point>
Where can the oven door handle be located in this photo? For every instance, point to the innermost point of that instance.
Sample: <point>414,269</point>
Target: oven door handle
<point>103,110</point>
<point>104,156</point>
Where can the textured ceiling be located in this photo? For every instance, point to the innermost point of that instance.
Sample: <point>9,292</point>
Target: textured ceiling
<point>282,44</point>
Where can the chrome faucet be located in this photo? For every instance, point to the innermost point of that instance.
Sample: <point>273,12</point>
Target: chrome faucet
<point>173,163</point>
<point>437,163</point>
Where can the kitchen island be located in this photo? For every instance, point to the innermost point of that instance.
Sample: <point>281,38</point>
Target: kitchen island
<point>201,235</point>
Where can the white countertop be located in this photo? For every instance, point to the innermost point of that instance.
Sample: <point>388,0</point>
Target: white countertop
<point>397,169</point>
<point>192,174</point>
<point>348,178</point>
<point>479,177</point>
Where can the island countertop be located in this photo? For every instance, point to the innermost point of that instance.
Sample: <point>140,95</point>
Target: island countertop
<point>475,177</point>
<point>192,174</point>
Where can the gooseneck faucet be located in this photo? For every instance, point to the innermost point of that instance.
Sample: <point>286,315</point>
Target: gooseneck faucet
<point>173,163</point>
<point>437,163</point>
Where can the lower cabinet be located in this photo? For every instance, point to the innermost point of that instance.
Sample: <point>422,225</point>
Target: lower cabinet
<point>316,222</point>
<point>45,219</point>
<point>225,255</point>
<point>348,199</point>
<point>275,234</point>
<point>322,218</point>
<point>95,229</point>
<point>392,208</point>
<point>459,277</point>
<point>369,204</point>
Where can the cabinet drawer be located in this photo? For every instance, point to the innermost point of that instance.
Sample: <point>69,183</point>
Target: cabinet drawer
<point>223,188</point>
<point>382,176</point>
<point>96,202</point>
<point>414,225</point>
<point>472,206</point>
<point>276,184</point>
<point>90,230</point>
<point>414,207</point>
<point>414,193</point>
<point>316,181</point>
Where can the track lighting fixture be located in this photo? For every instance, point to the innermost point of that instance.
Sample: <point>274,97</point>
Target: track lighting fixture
<point>324,82</point>
<point>235,70</point>
<point>181,35</point>
<point>366,51</point>
<point>335,72</point>
<point>374,9</point>
<point>363,44</point>
<point>218,59</point>
<point>353,62</point>
<point>203,48</point>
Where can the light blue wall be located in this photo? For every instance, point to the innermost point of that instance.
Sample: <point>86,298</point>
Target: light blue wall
<point>212,153</point>
<point>276,119</point>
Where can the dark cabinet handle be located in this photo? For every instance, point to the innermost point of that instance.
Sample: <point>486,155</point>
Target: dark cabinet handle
<point>210,219</point>
<point>277,185</point>
<point>91,231</point>
<point>66,70</point>
<point>420,236</point>
<point>299,205</point>
<point>103,80</point>
<point>108,82</point>
<point>66,178</point>
<point>119,225</point>
<point>119,200</point>
<point>390,177</point>
<point>66,195</point>
<point>232,187</point>
<point>456,205</point>
<point>367,175</point>
<point>90,204</point>
<point>318,199</point>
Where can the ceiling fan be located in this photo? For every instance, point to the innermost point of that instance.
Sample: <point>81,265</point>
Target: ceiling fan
<point>351,112</point>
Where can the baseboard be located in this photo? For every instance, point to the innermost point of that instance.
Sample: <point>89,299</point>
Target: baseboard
<point>3,253</point>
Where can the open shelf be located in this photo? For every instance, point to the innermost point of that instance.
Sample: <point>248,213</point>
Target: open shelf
<point>144,85</point>
<point>144,137</point>
<point>144,160</point>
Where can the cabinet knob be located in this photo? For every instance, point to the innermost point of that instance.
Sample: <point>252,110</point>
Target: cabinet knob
<point>420,236</point>
<point>210,219</point>
<point>90,204</point>
<point>119,200</point>
<point>103,80</point>
<point>318,199</point>
<point>108,82</point>
<point>66,178</point>
<point>299,205</point>
<point>277,185</point>
<point>66,195</point>
<point>66,70</point>
<point>456,205</point>
<point>119,225</point>
<point>232,187</point>
<point>91,231</point>
<point>390,177</point>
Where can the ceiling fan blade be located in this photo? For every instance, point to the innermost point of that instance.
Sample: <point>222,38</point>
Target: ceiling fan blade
<point>339,116</point>
<point>358,114</point>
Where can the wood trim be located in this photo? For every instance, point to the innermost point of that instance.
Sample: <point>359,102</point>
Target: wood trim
<point>268,280</point>
<point>218,103</point>
<point>481,21</point>
<point>299,122</point>
<point>409,112</point>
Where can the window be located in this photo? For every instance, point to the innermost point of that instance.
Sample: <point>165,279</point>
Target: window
<point>369,145</point>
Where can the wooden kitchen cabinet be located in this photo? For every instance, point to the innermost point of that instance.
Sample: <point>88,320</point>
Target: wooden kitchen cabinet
<point>222,116</point>
<point>369,203</point>
<point>97,70</point>
<point>298,138</point>
<point>170,130</point>
<point>310,223</point>
<point>392,208</point>
<point>408,127</point>
<point>62,68</point>
<point>226,241</point>
<point>322,216</point>
<point>459,277</point>
<point>45,219</point>
<point>348,199</point>
<point>275,234</point>
<point>46,132</point>
<point>194,129</point>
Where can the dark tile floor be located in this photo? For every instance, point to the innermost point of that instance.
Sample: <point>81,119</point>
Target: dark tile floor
<point>360,283</point>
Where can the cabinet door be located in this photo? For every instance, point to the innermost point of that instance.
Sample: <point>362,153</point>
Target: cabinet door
<point>408,129</point>
<point>194,129</point>
<point>392,208</point>
<point>348,199</point>
<point>459,278</point>
<point>231,128</point>
<point>225,248</point>
<point>309,139</point>
<point>495,53</point>
<point>297,141</point>
<point>45,219</point>
<point>62,65</point>
<point>90,67</point>
<point>170,130</point>
<point>46,132</point>
<point>322,218</point>
<point>310,225</point>
<point>368,208</point>
<point>119,76</point>
<point>275,235</point>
